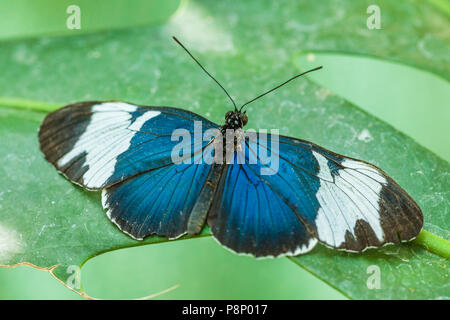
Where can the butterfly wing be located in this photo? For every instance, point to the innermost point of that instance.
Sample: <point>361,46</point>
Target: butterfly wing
<point>360,206</point>
<point>156,202</point>
<point>125,150</point>
<point>97,144</point>
<point>312,194</point>
<point>249,216</point>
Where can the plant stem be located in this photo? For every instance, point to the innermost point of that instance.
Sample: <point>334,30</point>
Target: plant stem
<point>28,104</point>
<point>433,243</point>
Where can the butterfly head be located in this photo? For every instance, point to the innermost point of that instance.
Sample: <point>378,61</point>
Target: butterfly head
<point>235,119</point>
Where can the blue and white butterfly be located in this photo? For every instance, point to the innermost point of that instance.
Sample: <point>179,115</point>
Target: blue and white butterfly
<point>315,195</point>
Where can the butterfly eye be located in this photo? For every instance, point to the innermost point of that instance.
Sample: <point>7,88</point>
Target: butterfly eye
<point>244,119</point>
<point>228,114</point>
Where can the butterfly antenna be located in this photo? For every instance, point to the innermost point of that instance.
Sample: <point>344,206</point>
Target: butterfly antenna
<point>280,85</point>
<point>177,41</point>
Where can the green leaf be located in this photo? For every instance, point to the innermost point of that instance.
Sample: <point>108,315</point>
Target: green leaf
<point>50,223</point>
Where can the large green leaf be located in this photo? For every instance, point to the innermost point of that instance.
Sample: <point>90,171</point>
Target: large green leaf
<point>47,222</point>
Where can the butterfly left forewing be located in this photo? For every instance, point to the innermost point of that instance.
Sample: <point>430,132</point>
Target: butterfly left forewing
<point>99,143</point>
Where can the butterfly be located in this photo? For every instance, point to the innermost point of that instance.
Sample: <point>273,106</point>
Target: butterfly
<point>314,195</point>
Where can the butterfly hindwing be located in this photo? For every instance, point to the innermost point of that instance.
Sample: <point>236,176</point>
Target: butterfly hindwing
<point>251,218</point>
<point>156,202</point>
<point>253,215</point>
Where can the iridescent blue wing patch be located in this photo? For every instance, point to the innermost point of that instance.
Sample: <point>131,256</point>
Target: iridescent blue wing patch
<point>159,201</point>
<point>252,217</point>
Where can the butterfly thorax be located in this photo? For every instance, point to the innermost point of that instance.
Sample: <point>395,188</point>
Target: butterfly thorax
<point>234,120</point>
<point>232,130</point>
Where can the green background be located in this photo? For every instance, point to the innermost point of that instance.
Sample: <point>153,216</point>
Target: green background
<point>413,101</point>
